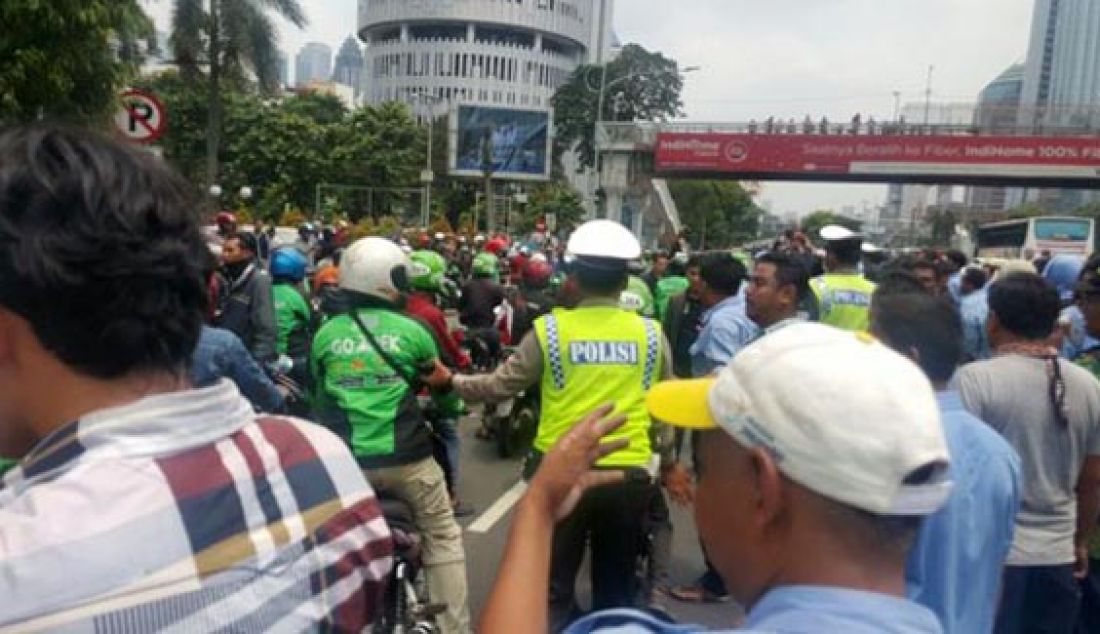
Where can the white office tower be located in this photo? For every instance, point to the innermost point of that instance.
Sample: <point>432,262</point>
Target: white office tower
<point>501,53</point>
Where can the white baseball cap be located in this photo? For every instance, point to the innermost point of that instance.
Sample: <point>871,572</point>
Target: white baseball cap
<point>832,233</point>
<point>842,414</point>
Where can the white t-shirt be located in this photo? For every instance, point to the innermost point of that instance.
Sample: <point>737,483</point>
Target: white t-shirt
<point>1011,394</point>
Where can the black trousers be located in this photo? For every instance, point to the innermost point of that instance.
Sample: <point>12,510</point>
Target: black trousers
<point>1038,600</point>
<point>611,520</point>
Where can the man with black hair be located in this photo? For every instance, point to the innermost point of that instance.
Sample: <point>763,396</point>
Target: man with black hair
<point>583,358</point>
<point>843,294</point>
<point>247,306</point>
<point>955,567</point>
<point>1049,410</point>
<point>656,270</point>
<point>140,503</point>
<point>776,288</point>
<point>926,272</point>
<point>726,328</point>
<point>959,265</point>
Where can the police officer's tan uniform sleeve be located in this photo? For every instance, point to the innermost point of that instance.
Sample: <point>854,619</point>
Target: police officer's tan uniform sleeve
<point>522,370</point>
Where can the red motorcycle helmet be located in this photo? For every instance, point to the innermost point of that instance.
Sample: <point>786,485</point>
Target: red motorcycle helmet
<point>495,246</point>
<point>225,218</point>
<point>537,273</point>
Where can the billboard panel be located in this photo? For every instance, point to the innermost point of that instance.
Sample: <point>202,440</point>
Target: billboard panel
<point>518,142</point>
<point>820,157</point>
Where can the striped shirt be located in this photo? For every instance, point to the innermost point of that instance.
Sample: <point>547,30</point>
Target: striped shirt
<point>186,512</point>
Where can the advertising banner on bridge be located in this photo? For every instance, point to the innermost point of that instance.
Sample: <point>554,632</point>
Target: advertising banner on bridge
<point>822,157</point>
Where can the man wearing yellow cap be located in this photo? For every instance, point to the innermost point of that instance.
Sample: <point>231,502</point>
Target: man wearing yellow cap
<point>809,521</point>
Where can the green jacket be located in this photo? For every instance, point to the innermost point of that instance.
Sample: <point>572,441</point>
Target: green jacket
<point>292,318</point>
<point>361,397</point>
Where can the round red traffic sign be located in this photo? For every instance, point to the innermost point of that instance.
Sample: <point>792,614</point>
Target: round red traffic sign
<point>141,117</point>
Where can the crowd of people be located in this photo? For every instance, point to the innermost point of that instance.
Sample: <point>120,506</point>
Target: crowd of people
<point>198,427</point>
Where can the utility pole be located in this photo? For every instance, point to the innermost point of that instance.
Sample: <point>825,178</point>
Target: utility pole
<point>599,106</point>
<point>928,97</point>
<point>897,105</point>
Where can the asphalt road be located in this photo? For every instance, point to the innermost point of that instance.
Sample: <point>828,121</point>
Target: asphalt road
<point>485,478</point>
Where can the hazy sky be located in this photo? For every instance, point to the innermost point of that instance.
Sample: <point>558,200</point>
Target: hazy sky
<point>790,58</point>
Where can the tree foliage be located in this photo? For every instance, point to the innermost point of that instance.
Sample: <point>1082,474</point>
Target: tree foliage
<point>557,198</point>
<point>247,41</point>
<point>284,149</point>
<point>68,59</point>
<point>814,222</point>
<point>716,214</point>
<point>640,86</point>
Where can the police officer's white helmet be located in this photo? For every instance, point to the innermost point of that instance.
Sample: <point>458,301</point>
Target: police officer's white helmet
<point>376,267</point>
<point>603,239</point>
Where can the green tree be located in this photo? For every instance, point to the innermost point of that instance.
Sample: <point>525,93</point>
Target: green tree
<point>68,59</point>
<point>557,198</point>
<point>715,213</point>
<point>230,40</point>
<point>640,86</point>
<point>814,222</point>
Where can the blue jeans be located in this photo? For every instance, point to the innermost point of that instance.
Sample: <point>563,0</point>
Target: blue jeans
<point>1038,599</point>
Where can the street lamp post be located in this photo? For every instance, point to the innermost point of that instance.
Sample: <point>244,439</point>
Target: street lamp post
<point>604,86</point>
<point>427,177</point>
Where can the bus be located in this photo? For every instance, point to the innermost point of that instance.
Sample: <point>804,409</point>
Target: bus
<point>1026,238</point>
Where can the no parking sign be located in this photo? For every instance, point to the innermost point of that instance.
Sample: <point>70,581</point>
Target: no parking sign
<point>141,117</point>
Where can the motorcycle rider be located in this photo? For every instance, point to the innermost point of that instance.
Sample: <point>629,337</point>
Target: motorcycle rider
<point>246,307</point>
<point>426,274</point>
<point>582,358</point>
<point>366,365</point>
<point>293,317</point>
<point>534,301</point>
<point>480,298</point>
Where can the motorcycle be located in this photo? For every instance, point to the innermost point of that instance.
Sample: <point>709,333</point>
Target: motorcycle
<point>406,608</point>
<point>515,422</point>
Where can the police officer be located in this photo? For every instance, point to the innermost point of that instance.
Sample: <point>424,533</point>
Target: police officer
<point>366,363</point>
<point>594,354</point>
<point>843,294</point>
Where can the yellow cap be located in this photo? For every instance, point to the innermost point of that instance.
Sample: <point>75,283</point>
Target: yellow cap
<point>682,403</point>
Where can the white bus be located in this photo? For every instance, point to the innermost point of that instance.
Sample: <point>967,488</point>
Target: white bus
<point>1028,237</point>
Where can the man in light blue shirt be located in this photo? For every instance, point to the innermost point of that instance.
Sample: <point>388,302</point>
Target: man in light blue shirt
<point>974,312</point>
<point>726,327</point>
<point>955,568</point>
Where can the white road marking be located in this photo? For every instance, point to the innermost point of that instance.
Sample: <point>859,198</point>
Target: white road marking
<point>499,509</point>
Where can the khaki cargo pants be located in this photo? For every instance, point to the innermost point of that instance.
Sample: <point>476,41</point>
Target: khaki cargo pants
<point>422,486</point>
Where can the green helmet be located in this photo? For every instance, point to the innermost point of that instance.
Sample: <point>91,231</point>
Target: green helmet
<point>485,265</point>
<point>427,270</point>
<point>637,298</point>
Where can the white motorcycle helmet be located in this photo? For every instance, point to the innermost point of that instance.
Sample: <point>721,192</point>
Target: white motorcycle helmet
<point>603,239</point>
<point>375,267</point>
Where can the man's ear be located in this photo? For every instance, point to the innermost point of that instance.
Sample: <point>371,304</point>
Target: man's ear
<point>767,483</point>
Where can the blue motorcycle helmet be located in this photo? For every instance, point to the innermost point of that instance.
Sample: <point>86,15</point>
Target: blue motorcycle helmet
<point>288,264</point>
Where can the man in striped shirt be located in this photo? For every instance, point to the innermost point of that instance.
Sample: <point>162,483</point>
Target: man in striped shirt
<point>141,504</point>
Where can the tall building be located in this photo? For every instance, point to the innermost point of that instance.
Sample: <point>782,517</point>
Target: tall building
<point>1075,72</point>
<point>349,65</point>
<point>998,112</point>
<point>314,63</point>
<point>1061,87</point>
<point>1040,61</point>
<point>505,53</point>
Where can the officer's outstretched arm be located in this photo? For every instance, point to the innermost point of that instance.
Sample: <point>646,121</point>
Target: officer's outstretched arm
<point>521,371</point>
